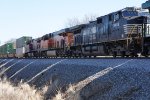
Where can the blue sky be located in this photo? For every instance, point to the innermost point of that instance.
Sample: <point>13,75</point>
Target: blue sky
<point>38,17</point>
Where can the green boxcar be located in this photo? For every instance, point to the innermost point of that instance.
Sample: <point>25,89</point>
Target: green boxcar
<point>0,51</point>
<point>7,50</point>
<point>3,50</point>
<point>10,48</point>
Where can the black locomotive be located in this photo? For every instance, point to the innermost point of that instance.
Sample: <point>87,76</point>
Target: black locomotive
<point>122,33</point>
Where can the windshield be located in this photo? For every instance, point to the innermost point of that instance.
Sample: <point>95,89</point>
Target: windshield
<point>130,13</point>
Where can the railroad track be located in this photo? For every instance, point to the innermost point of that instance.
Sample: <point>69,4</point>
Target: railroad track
<point>82,58</point>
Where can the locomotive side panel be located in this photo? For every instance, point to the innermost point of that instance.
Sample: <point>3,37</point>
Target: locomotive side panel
<point>102,28</point>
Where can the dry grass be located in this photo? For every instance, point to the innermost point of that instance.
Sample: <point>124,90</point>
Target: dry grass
<point>59,96</point>
<point>70,94</point>
<point>25,92</point>
<point>21,92</point>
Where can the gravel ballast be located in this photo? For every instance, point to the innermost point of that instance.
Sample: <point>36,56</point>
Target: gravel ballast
<point>115,79</point>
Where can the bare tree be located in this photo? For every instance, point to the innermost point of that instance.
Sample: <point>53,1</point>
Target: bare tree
<point>84,20</point>
<point>72,22</point>
<point>89,17</point>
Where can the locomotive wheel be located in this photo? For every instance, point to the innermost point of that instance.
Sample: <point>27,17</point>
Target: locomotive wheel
<point>127,56</point>
<point>145,54</point>
<point>84,56</point>
<point>114,54</point>
<point>136,55</point>
<point>80,55</point>
<point>123,53</point>
<point>133,54</point>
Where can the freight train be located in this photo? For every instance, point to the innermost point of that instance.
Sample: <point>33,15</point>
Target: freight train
<point>122,33</point>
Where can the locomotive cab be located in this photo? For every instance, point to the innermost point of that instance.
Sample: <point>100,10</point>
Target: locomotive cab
<point>129,12</point>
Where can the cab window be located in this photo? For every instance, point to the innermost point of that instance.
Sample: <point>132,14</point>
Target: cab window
<point>130,13</point>
<point>116,17</point>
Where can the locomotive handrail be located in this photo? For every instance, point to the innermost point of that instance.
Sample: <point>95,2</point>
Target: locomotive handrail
<point>137,29</point>
<point>133,31</point>
<point>131,28</point>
